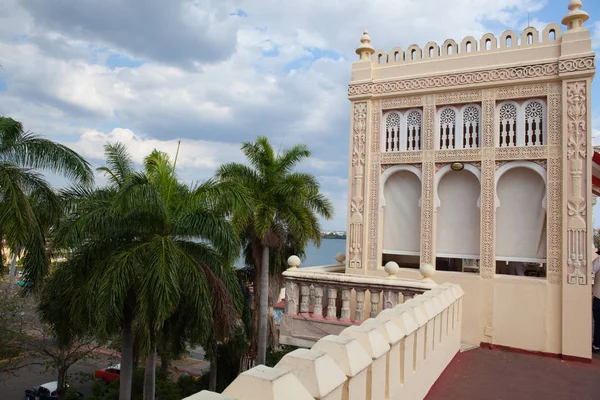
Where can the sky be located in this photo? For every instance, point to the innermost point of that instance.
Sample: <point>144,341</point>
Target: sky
<point>215,73</point>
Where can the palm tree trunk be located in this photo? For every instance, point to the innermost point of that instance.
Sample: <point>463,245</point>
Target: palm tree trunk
<point>212,383</point>
<point>126,376</point>
<point>263,311</point>
<point>150,376</point>
<point>12,272</point>
<point>61,388</point>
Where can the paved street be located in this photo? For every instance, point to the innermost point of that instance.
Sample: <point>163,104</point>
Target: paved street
<point>13,387</point>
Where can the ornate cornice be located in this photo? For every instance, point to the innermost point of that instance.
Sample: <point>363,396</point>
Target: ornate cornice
<point>477,77</point>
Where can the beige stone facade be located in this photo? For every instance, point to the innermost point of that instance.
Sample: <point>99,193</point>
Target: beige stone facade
<point>422,110</point>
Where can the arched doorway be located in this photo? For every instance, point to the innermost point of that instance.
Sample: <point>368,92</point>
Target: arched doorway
<point>402,216</point>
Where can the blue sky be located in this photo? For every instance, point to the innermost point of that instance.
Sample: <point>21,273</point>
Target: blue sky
<point>214,73</point>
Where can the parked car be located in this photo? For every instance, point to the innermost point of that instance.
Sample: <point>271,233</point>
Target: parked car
<point>109,374</point>
<point>47,391</point>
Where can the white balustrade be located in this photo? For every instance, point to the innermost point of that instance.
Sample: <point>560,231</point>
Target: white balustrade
<point>384,358</point>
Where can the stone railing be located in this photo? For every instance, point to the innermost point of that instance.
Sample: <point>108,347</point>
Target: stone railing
<point>320,301</point>
<point>397,355</point>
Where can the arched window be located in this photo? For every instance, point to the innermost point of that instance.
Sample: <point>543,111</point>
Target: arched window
<point>469,47</point>
<point>530,38</point>
<point>431,52</point>
<point>413,130</point>
<point>552,35</point>
<point>508,41</point>
<point>521,212</point>
<point>471,121</point>
<point>396,56</point>
<point>402,212</point>
<point>508,124</point>
<point>413,55</point>
<point>488,44</point>
<point>447,122</point>
<point>379,59</point>
<point>534,123</point>
<point>450,49</point>
<point>521,125</point>
<point>392,132</point>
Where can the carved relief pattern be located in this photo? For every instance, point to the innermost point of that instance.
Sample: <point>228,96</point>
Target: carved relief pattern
<point>401,102</point>
<point>408,157</point>
<point>458,155</point>
<point>357,196</point>
<point>466,96</point>
<point>468,78</point>
<point>554,241</point>
<point>576,168</point>
<point>429,123</point>
<point>427,208</point>
<point>373,224</point>
<point>577,64</point>
<point>520,91</point>
<point>554,193</point>
<point>522,153</point>
<point>554,119</point>
<point>487,265</point>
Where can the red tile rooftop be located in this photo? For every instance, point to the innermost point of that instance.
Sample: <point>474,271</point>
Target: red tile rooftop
<point>485,374</point>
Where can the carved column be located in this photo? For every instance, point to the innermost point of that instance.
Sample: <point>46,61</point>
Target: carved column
<point>428,178</point>
<point>318,306</point>
<point>357,186</point>
<point>487,262</point>
<point>305,299</point>
<point>292,298</point>
<point>359,314</point>
<point>577,182</point>
<point>373,185</point>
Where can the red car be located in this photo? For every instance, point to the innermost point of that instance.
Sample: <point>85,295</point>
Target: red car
<point>109,374</point>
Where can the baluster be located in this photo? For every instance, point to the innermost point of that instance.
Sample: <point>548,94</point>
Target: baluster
<point>331,307</point>
<point>390,299</point>
<point>442,141</point>
<point>374,303</point>
<point>541,131</point>
<point>419,134</point>
<point>318,306</point>
<point>514,134</point>
<point>359,314</point>
<point>305,299</point>
<point>453,135</point>
<point>534,134</point>
<point>345,315</point>
<point>291,298</point>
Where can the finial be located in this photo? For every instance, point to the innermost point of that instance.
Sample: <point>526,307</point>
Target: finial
<point>365,49</point>
<point>576,17</point>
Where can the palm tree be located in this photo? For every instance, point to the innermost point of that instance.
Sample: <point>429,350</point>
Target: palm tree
<point>146,249</point>
<point>28,205</point>
<point>285,204</point>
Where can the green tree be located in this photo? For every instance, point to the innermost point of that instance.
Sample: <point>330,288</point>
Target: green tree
<point>27,202</point>
<point>285,204</point>
<point>146,249</point>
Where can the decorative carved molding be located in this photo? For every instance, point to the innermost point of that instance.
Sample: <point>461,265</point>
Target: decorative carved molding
<point>576,169</point>
<point>405,157</point>
<point>554,119</point>
<point>459,79</point>
<point>554,221</point>
<point>358,189</point>
<point>522,91</point>
<point>466,96</point>
<point>577,64</point>
<point>429,124</point>
<point>487,265</point>
<point>521,153</point>
<point>458,155</point>
<point>401,102</point>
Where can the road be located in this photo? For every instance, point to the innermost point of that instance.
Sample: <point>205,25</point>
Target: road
<point>12,387</point>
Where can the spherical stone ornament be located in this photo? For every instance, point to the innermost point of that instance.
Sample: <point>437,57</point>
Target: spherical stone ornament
<point>427,270</point>
<point>293,261</point>
<point>392,269</point>
<point>340,258</point>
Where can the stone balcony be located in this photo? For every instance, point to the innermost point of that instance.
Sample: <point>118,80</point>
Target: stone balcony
<point>322,301</point>
<point>398,354</point>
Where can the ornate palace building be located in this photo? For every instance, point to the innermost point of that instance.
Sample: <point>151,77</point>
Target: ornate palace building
<point>469,221</point>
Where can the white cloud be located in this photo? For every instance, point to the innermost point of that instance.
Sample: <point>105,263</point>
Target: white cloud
<point>211,79</point>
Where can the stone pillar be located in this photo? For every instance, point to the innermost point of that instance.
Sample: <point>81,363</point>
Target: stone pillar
<point>487,263</point>
<point>428,226</point>
<point>357,189</point>
<point>576,70</point>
